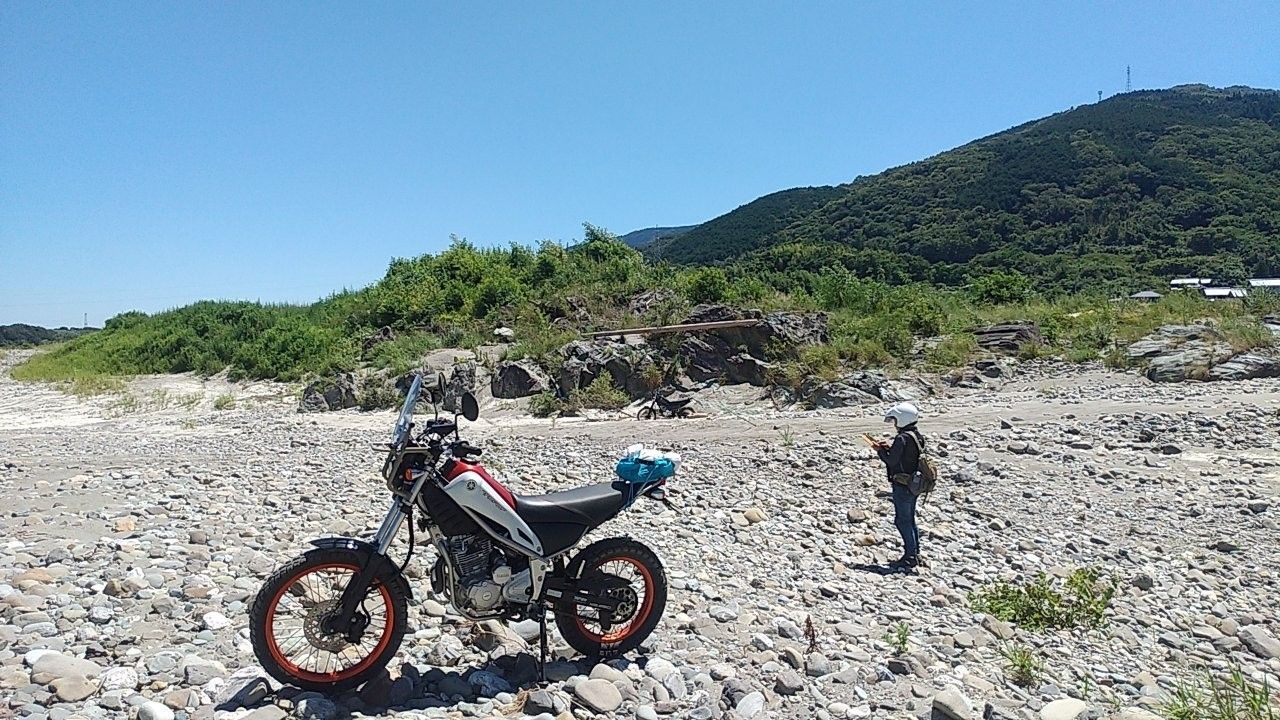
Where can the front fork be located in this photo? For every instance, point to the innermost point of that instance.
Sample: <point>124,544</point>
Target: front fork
<point>346,621</point>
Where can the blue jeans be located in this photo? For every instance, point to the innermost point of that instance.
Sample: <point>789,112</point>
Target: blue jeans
<point>904,518</point>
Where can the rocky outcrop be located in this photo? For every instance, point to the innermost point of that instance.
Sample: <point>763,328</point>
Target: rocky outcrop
<point>518,379</point>
<point>376,338</point>
<point>1007,338</point>
<point>631,368</point>
<point>646,301</point>
<point>1247,366</point>
<point>863,388</point>
<point>783,332</point>
<point>742,354</point>
<point>1174,353</point>
<point>336,393</point>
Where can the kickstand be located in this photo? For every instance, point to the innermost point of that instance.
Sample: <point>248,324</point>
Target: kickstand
<point>542,644</point>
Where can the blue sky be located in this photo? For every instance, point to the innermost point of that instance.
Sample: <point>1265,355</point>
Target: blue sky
<point>156,153</point>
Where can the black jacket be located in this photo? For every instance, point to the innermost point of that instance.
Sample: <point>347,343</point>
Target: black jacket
<point>903,456</point>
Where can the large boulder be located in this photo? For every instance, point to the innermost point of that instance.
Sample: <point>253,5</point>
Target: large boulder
<point>631,368</point>
<point>518,379</point>
<point>743,368</point>
<point>336,393</point>
<point>741,354</point>
<point>863,388</point>
<point>1246,366</point>
<point>775,332</point>
<point>462,380</point>
<point>1174,353</point>
<point>1007,338</point>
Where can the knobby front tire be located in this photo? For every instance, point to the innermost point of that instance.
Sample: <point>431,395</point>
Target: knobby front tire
<point>284,622</point>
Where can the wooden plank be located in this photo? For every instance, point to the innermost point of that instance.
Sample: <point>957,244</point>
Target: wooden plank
<point>688,327</point>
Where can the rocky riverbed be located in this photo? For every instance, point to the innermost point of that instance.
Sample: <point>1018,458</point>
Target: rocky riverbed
<point>135,535</point>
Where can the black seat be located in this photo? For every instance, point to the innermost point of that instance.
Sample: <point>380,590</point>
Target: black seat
<point>561,518</point>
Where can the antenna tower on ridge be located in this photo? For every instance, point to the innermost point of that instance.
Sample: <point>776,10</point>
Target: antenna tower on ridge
<point>1128,86</point>
<point>1099,96</point>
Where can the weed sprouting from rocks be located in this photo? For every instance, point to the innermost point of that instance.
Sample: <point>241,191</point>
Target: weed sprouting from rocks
<point>1039,604</point>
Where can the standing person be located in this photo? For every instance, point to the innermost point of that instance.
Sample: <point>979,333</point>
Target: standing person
<point>902,461</point>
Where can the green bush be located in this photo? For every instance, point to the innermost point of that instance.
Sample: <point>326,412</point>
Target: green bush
<point>376,393</point>
<point>1022,664</point>
<point>707,285</point>
<point>601,395</point>
<point>1001,287</point>
<point>225,401</point>
<point>545,405</point>
<point>1039,604</point>
<point>954,351</point>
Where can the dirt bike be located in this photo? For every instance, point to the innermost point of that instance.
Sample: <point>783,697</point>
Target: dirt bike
<point>334,616</point>
<point>667,407</point>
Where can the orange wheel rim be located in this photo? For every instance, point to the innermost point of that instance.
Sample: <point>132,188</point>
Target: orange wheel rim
<point>292,632</point>
<point>621,631</point>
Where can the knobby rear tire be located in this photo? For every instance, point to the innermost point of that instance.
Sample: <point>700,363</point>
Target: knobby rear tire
<point>655,579</point>
<point>268,650</point>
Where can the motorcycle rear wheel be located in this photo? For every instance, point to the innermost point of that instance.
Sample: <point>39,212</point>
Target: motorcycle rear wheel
<point>285,622</point>
<point>636,574</point>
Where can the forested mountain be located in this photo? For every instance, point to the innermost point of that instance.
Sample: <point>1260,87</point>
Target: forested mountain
<point>1138,187</point>
<point>20,334</point>
<point>640,239</point>
<point>745,228</point>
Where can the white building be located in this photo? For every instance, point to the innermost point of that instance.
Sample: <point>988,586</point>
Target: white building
<point>1271,284</point>
<point>1185,283</point>
<point>1222,293</point>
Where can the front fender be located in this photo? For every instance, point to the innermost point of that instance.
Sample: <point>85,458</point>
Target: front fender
<point>345,543</point>
<point>382,565</point>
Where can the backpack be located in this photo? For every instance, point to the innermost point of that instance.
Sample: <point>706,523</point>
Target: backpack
<point>926,474</point>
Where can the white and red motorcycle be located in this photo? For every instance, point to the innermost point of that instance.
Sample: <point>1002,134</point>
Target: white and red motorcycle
<point>331,618</point>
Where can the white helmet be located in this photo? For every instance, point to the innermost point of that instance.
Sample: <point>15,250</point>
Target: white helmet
<point>902,414</point>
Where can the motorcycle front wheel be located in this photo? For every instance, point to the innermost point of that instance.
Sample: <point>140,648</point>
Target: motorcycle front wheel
<point>286,622</point>
<point>625,569</point>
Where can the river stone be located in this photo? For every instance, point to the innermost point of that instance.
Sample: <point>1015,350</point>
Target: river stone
<point>599,695</point>
<point>1064,709</point>
<point>952,704</point>
<point>152,710</point>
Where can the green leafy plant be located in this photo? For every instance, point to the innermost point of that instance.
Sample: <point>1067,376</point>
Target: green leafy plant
<point>899,636</point>
<point>1023,666</point>
<point>1216,697</point>
<point>786,436</point>
<point>601,394</point>
<point>1038,604</point>
<point>545,404</point>
<point>226,401</point>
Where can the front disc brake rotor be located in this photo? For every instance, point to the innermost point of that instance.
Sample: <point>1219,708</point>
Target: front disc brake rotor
<point>315,623</point>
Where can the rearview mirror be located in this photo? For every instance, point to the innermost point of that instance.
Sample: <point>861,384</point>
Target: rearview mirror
<point>470,408</point>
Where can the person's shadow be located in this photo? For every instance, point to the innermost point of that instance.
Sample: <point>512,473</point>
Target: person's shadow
<point>882,569</point>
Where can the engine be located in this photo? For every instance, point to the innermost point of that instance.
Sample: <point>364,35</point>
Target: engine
<point>485,577</point>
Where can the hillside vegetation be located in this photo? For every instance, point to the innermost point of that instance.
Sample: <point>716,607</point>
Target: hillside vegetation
<point>549,295</point>
<point>1113,197</point>
<point>23,335</point>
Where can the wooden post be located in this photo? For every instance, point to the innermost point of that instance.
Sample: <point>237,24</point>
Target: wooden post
<point>688,327</point>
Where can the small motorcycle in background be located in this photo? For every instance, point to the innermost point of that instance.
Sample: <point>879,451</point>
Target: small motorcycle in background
<point>334,616</point>
<point>666,406</point>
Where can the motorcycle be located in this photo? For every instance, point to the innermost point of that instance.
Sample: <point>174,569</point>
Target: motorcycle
<point>333,617</point>
<point>667,407</point>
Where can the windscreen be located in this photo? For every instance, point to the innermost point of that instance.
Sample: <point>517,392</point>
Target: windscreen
<point>406,413</point>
